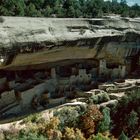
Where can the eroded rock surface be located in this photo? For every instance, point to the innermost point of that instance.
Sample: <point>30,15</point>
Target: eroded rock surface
<point>47,61</point>
<point>28,42</point>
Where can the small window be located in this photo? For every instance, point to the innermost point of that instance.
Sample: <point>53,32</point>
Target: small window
<point>112,66</point>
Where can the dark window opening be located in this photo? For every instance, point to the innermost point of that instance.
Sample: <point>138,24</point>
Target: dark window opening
<point>112,66</point>
<point>64,71</point>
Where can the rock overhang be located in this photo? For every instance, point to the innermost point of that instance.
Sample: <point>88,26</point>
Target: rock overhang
<point>109,38</point>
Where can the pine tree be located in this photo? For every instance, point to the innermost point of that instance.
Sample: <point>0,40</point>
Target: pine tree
<point>133,119</point>
<point>13,8</point>
<point>104,125</point>
<point>123,136</point>
<point>47,11</point>
<point>38,3</point>
<point>32,11</point>
<point>67,8</point>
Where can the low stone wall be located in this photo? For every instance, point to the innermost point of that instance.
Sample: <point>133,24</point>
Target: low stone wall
<point>123,85</point>
<point>117,90</point>
<point>105,86</point>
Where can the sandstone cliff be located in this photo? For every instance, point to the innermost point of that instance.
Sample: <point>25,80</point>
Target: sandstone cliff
<point>45,60</point>
<point>27,42</point>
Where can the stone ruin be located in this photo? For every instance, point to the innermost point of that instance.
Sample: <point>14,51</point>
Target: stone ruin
<point>45,62</point>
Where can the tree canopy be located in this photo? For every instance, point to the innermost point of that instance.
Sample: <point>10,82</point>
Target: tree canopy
<point>67,8</point>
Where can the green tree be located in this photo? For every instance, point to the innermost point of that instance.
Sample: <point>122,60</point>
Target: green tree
<point>124,9</point>
<point>125,13</point>
<point>77,8</point>
<point>13,8</point>
<point>134,11</point>
<point>99,136</point>
<point>31,136</point>
<point>57,9</point>
<point>107,7</point>
<point>82,8</point>
<point>123,136</point>
<point>51,3</point>
<point>38,3</point>
<point>69,8</point>
<point>104,125</point>
<point>71,12</point>
<point>47,11</point>
<point>133,119</point>
<point>95,8</point>
<point>115,7</point>
<point>32,11</point>
<point>20,9</point>
<point>4,11</point>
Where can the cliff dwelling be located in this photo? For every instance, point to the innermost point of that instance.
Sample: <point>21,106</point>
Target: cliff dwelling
<point>44,66</point>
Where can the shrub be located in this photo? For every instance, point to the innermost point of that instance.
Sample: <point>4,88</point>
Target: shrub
<point>54,134</point>
<point>71,134</point>
<point>99,98</point>
<point>34,118</point>
<point>68,116</point>
<point>104,125</point>
<point>94,99</point>
<point>123,117</point>
<point>99,136</point>
<point>132,119</point>
<point>90,120</point>
<point>104,97</point>
<point>24,135</point>
<point>124,101</point>
<point>48,129</point>
<point>31,136</point>
<point>45,127</point>
<point>11,134</point>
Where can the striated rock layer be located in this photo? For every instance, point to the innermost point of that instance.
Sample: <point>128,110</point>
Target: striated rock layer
<point>34,43</point>
<point>47,61</point>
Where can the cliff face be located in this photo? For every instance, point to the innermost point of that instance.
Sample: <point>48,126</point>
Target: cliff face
<point>27,42</point>
<point>44,59</point>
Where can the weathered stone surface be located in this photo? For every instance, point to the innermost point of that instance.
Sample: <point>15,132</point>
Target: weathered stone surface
<point>29,42</point>
<point>116,96</point>
<point>38,90</point>
<point>110,103</point>
<point>105,86</point>
<point>14,110</point>
<point>124,89</point>
<point>2,137</point>
<point>7,98</point>
<point>57,101</point>
<point>72,56</point>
